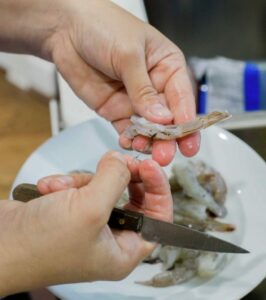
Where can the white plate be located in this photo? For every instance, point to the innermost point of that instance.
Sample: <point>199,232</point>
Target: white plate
<point>245,172</point>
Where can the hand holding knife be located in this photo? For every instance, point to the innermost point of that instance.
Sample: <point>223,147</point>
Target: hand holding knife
<point>150,229</point>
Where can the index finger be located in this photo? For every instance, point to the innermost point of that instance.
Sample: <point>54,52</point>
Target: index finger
<point>151,193</point>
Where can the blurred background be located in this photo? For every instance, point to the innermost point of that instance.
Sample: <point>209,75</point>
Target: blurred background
<point>235,29</point>
<point>36,102</point>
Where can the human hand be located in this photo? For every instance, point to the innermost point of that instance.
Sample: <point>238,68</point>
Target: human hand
<point>62,237</point>
<point>114,62</point>
<point>120,66</point>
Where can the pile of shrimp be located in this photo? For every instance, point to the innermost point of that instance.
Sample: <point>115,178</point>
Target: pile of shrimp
<point>199,194</point>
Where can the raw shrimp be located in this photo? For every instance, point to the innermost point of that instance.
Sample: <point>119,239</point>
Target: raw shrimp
<point>185,268</point>
<point>186,177</point>
<point>209,263</point>
<point>203,225</point>
<point>211,180</point>
<point>169,255</point>
<point>188,207</point>
<point>154,256</point>
<point>168,278</point>
<point>156,131</point>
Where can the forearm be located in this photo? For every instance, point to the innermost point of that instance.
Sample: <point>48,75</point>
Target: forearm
<point>10,250</point>
<point>19,270</point>
<point>26,26</point>
<point>14,275</point>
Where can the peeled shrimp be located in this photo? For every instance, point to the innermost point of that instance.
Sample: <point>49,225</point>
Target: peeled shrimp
<point>190,208</point>
<point>185,268</point>
<point>186,177</point>
<point>209,263</point>
<point>156,131</point>
<point>169,255</point>
<point>167,278</point>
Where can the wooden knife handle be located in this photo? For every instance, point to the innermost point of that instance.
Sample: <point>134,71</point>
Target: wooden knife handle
<point>119,219</point>
<point>26,192</point>
<point>126,220</point>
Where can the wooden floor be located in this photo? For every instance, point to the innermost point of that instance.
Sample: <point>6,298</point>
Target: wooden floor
<point>24,125</point>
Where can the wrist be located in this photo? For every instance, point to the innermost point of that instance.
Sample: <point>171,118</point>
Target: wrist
<point>28,26</point>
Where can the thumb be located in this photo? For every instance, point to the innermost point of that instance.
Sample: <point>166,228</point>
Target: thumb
<point>145,99</point>
<point>109,182</point>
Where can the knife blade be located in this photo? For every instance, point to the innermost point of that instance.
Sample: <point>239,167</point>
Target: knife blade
<point>151,229</point>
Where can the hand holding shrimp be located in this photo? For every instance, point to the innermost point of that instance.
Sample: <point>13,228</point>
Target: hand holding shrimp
<point>155,131</point>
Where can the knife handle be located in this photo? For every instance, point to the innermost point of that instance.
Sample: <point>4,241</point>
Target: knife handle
<point>25,192</point>
<point>119,219</point>
<point>126,220</point>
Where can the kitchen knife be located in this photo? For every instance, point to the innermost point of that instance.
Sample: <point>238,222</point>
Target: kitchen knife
<point>151,229</point>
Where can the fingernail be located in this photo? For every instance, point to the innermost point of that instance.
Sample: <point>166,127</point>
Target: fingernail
<point>65,180</point>
<point>125,142</point>
<point>159,110</point>
<point>148,148</point>
<point>119,156</point>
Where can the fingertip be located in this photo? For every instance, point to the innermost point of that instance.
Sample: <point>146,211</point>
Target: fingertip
<point>110,155</point>
<point>163,152</point>
<point>58,185</point>
<point>133,166</point>
<point>55,183</point>
<point>132,162</point>
<point>152,174</point>
<point>125,142</point>
<point>189,145</point>
<point>148,165</point>
<point>43,187</point>
<point>142,144</point>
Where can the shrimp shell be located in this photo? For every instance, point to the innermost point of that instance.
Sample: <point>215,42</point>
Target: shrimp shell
<point>156,131</point>
<point>203,225</point>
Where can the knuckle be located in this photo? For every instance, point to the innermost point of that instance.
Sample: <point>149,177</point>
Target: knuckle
<point>131,52</point>
<point>123,55</point>
<point>145,93</point>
